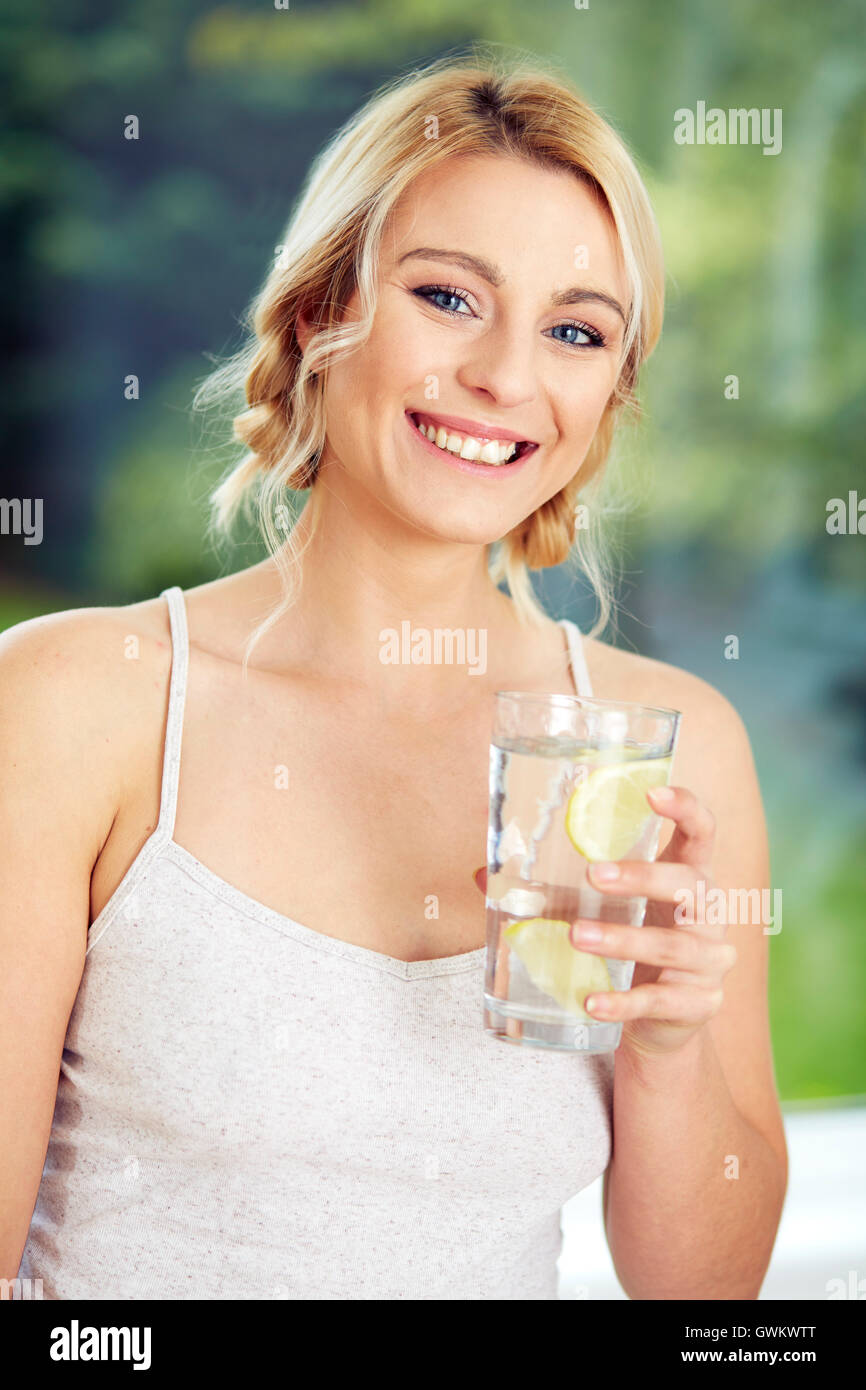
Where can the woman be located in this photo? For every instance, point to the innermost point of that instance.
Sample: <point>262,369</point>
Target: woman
<point>258,966</point>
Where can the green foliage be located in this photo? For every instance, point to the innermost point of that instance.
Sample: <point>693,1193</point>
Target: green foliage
<point>151,526</point>
<point>817,973</point>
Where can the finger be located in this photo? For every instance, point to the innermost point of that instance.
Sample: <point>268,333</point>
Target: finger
<point>679,950</point>
<point>695,825</point>
<point>664,882</point>
<point>672,1003</point>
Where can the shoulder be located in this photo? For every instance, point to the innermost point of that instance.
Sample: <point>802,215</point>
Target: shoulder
<point>82,694</point>
<point>619,674</point>
<point>101,651</point>
<point>714,754</point>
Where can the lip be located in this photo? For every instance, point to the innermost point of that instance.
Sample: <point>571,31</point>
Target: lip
<point>483,432</point>
<point>481,470</point>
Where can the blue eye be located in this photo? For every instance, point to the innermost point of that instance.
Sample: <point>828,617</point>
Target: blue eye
<point>435,294</point>
<point>595,338</point>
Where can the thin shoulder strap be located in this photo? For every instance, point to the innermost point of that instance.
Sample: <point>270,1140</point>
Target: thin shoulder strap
<point>579,671</point>
<point>176,702</point>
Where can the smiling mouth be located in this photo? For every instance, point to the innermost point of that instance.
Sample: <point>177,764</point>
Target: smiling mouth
<point>478,448</point>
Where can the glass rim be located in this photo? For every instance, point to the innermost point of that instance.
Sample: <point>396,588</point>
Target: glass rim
<point>577,702</point>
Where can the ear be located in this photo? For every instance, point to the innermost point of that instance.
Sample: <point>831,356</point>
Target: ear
<point>303,329</point>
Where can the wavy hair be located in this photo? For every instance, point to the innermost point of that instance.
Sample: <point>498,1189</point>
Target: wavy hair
<point>473,103</point>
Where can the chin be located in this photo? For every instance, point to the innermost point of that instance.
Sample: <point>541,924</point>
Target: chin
<point>454,519</point>
<point>458,530</point>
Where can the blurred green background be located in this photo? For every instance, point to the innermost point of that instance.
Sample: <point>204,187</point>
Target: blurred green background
<point>140,257</point>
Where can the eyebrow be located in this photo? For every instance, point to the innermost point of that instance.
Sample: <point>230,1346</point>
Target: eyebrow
<point>576,295</point>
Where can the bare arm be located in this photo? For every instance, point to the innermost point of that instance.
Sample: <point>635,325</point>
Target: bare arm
<point>695,1188</point>
<point>57,804</point>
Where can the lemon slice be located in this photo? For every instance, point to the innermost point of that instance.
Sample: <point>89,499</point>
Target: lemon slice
<point>554,965</point>
<point>608,810</point>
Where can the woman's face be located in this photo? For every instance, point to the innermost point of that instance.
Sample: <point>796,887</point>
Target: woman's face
<point>493,328</point>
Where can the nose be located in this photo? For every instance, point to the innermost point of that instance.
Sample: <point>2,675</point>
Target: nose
<point>500,365</point>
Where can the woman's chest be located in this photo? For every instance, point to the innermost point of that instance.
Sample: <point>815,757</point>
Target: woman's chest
<point>363,828</point>
<point>340,1074</point>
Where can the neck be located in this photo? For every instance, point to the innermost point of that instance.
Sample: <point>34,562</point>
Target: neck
<point>373,596</point>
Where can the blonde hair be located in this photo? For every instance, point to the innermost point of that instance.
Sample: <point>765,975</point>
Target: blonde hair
<point>474,103</point>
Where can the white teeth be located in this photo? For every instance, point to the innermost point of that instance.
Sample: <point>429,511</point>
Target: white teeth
<point>494,451</point>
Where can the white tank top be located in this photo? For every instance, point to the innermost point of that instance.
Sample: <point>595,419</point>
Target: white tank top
<point>249,1109</point>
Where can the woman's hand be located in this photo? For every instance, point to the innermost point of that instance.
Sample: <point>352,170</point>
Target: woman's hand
<point>680,962</point>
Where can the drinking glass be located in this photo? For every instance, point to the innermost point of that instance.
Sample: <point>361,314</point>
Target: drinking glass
<point>568,783</point>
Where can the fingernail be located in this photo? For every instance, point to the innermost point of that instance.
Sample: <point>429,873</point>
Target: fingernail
<point>586,932</point>
<point>662,794</point>
<point>605,873</point>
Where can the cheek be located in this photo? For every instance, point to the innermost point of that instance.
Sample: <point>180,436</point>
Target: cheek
<point>580,403</point>
<point>597,404</point>
<point>395,359</point>
<point>407,353</point>
<point>359,394</point>
<point>579,414</point>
